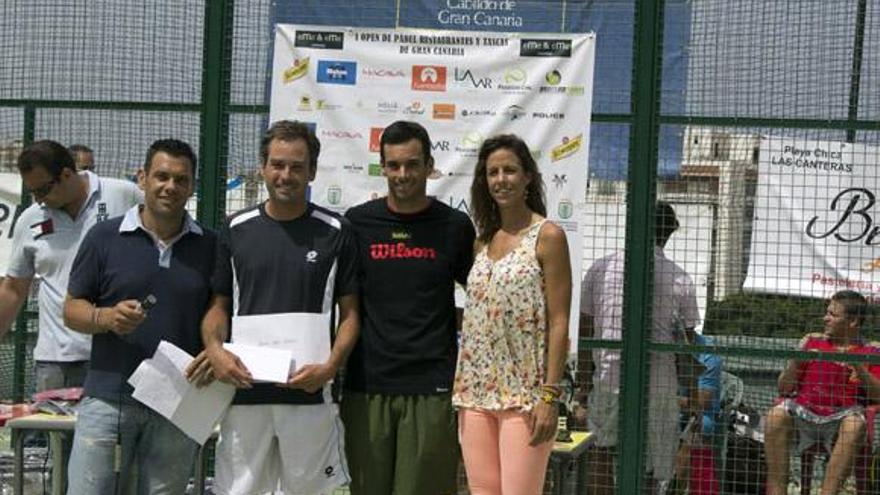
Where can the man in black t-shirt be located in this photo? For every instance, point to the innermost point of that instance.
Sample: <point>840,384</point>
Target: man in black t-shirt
<point>282,265</point>
<point>401,432</point>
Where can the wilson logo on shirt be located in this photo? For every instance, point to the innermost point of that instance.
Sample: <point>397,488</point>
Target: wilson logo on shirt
<point>382,251</point>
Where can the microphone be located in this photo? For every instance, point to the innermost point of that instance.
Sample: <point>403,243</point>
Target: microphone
<point>148,302</point>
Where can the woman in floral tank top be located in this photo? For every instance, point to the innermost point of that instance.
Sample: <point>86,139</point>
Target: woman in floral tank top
<point>515,328</point>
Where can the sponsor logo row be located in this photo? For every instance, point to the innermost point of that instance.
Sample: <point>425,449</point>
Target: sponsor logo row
<point>436,78</point>
<point>436,111</point>
<point>335,40</point>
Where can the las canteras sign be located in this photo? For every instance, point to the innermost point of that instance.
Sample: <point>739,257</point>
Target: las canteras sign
<point>817,219</point>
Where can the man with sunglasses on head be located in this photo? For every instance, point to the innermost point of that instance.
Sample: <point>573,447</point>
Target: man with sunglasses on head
<point>46,237</point>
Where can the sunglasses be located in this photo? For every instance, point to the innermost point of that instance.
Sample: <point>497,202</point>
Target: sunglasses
<point>45,189</point>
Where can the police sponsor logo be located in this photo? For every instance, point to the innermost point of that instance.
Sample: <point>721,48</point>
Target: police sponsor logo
<point>568,147</point>
<point>548,115</point>
<point>299,68</point>
<point>327,40</point>
<point>383,73</point>
<point>337,72</point>
<point>531,47</point>
<point>444,111</point>
<point>466,78</point>
<point>428,78</point>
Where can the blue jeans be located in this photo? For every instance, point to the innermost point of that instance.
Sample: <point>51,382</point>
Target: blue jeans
<point>153,448</point>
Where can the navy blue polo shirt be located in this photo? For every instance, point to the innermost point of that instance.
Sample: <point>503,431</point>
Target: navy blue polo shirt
<point>119,260</point>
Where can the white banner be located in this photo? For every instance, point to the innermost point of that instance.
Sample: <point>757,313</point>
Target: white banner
<point>462,86</point>
<point>10,199</point>
<point>814,231</point>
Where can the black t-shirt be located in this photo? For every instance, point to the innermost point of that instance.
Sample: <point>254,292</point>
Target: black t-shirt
<point>409,266</point>
<point>284,267</point>
<point>112,266</point>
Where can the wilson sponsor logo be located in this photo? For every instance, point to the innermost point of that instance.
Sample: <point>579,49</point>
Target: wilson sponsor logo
<point>382,251</point>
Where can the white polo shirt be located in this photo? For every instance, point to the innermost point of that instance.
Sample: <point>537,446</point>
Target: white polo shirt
<point>675,302</point>
<point>45,242</point>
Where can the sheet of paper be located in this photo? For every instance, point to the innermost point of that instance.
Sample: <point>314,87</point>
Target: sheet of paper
<point>159,383</point>
<point>305,335</point>
<point>264,363</point>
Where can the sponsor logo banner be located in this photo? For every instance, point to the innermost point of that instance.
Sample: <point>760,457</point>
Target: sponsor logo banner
<point>429,78</point>
<point>330,40</point>
<point>337,72</point>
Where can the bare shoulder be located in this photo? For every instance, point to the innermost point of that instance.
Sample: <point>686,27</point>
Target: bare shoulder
<point>552,234</point>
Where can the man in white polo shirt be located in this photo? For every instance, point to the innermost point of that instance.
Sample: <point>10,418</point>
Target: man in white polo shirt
<point>45,240</point>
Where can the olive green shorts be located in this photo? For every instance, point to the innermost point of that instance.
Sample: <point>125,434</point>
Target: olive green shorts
<point>400,444</point>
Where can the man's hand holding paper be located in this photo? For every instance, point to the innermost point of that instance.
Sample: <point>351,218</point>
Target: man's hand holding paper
<point>228,368</point>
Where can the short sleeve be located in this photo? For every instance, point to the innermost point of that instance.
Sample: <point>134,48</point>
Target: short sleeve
<point>221,280</point>
<point>348,262</point>
<point>21,259</point>
<point>710,379</point>
<point>85,273</point>
<point>588,287</point>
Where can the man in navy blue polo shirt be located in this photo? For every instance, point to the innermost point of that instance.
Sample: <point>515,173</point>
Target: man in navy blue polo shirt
<point>287,261</point>
<point>157,250</point>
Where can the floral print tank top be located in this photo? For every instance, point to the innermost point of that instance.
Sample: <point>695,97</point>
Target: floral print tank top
<point>501,353</point>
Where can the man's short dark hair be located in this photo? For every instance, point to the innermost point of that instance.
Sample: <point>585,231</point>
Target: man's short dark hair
<point>402,131</point>
<point>79,148</point>
<point>173,147</point>
<point>48,154</point>
<point>291,130</point>
<point>665,222</point>
<point>854,304</point>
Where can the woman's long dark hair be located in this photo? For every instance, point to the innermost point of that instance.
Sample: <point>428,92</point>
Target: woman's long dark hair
<point>485,212</point>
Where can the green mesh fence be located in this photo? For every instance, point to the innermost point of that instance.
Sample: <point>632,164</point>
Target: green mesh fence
<point>116,75</point>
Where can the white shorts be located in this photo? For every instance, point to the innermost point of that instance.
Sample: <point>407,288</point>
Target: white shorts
<point>297,449</point>
<point>662,428</point>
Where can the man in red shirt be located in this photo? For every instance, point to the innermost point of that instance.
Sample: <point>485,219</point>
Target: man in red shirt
<point>824,400</point>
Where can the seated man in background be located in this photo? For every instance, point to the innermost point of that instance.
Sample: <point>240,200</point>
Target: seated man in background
<point>824,400</point>
<point>700,406</point>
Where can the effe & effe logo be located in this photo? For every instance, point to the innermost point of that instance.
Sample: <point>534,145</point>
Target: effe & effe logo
<point>375,138</point>
<point>568,147</point>
<point>299,68</point>
<point>429,78</point>
<point>337,72</point>
<point>544,48</point>
<point>328,40</point>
